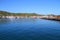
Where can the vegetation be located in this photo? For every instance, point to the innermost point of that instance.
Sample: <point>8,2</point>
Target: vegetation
<point>4,13</point>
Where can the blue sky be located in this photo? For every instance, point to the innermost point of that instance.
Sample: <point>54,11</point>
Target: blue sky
<point>31,6</point>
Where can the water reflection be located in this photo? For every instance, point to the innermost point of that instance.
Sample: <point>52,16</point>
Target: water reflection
<point>29,29</point>
<point>2,21</point>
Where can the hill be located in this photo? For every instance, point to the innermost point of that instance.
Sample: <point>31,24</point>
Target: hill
<point>4,13</point>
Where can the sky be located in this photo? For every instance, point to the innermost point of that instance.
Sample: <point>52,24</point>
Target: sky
<point>31,6</point>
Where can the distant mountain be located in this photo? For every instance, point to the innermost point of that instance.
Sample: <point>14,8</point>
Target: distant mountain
<point>4,13</point>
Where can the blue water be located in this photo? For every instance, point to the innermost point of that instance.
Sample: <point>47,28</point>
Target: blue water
<point>29,29</point>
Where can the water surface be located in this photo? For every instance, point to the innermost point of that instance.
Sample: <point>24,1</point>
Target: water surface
<point>29,29</point>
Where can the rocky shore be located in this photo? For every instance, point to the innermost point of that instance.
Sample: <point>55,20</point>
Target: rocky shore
<point>56,18</point>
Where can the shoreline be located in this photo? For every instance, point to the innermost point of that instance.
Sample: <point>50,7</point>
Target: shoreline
<point>56,18</point>
<point>51,19</point>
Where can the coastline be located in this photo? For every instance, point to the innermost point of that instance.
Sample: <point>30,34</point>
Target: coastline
<point>4,14</point>
<point>56,18</point>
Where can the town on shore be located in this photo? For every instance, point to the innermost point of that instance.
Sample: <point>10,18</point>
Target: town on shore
<point>4,14</point>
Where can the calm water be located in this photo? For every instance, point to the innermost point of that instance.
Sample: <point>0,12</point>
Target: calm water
<point>29,29</point>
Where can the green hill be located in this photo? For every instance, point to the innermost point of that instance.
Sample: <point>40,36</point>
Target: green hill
<point>4,13</point>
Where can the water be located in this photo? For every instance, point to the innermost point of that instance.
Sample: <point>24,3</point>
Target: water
<point>29,29</point>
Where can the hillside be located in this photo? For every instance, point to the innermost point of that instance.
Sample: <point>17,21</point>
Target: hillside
<point>4,13</point>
